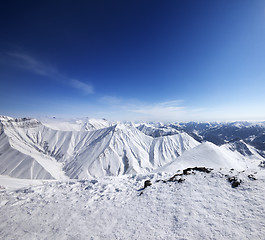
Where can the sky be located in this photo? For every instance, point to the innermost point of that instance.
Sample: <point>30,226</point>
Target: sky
<point>133,60</point>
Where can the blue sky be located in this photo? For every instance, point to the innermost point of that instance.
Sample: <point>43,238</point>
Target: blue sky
<point>133,60</point>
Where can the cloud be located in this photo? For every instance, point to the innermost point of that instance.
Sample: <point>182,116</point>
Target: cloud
<point>172,103</point>
<point>161,111</point>
<point>86,88</point>
<point>135,110</point>
<point>111,100</point>
<point>33,65</point>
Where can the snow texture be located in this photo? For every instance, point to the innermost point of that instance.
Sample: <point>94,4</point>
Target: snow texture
<point>203,206</point>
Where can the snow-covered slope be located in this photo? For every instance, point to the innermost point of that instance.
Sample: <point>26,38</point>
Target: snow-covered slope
<point>202,206</point>
<point>125,150</point>
<point>84,124</point>
<point>20,157</point>
<point>164,149</point>
<point>116,150</point>
<point>209,155</point>
<point>156,130</point>
<point>16,164</point>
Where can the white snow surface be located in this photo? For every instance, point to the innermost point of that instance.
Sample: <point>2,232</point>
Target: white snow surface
<point>83,124</point>
<point>204,206</point>
<point>209,155</point>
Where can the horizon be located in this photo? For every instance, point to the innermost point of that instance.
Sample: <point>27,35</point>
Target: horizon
<point>173,61</point>
<point>75,119</point>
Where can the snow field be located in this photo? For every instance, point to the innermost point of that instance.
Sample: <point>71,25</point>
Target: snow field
<point>204,206</point>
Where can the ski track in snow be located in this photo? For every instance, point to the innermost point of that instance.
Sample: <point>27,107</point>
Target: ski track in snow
<point>204,206</point>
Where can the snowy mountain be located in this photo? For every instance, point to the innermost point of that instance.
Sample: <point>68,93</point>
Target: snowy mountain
<point>30,149</point>
<point>89,148</point>
<point>83,124</point>
<point>155,130</point>
<point>210,155</point>
<point>252,133</point>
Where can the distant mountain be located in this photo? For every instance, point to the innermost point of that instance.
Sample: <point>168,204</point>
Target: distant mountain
<point>252,133</point>
<point>156,131</point>
<point>83,124</point>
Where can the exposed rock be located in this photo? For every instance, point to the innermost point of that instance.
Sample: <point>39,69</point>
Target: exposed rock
<point>147,183</point>
<point>235,182</point>
<point>262,164</point>
<point>181,180</point>
<point>252,177</point>
<point>187,171</point>
<point>199,169</point>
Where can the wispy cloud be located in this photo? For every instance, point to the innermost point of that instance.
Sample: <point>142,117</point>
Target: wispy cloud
<point>85,87</point>
<point>111,100</point>
<point>117,109</point>
<point>35,66</point>
<point>161,111</point>
<point>135,110</point>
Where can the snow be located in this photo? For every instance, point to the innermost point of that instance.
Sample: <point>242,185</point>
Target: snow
<point>204,206</point>
<point>20,157</point>
<point>84,124</point>
<point>7,182</point>
<point>156,129</point>
<point>209,155</point>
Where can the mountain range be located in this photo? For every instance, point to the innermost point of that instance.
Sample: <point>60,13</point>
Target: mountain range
<point>90,148</point>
